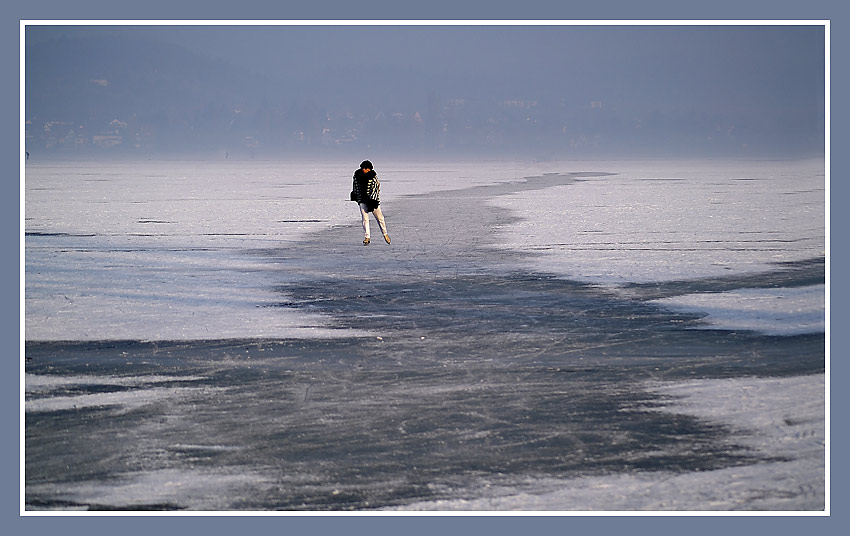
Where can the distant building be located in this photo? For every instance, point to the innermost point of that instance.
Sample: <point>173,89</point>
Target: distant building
<point>107,141</point>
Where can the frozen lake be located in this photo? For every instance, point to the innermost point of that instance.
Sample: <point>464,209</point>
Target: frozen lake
<point>539,336</point>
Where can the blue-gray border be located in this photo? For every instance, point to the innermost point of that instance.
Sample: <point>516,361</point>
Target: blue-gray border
<point>10,321</point>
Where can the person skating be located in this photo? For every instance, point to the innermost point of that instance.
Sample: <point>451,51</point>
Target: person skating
<point>367,192</point>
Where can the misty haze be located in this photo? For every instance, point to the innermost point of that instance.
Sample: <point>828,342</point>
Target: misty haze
<point>539,92</point>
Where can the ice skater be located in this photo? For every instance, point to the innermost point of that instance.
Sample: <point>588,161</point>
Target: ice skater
<point>367,192</point>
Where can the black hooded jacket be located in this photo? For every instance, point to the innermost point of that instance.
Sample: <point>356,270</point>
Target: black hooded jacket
<point>367,189</point>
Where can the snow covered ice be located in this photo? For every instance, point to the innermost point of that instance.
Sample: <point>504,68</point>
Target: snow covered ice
<point>155,250</point>
<point>539,336</point>
<point>685,220</point>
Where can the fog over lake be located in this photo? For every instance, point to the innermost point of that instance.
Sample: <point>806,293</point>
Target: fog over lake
<point>551,91</point>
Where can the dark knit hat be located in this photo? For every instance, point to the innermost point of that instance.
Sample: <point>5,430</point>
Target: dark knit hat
<point>366,165</point>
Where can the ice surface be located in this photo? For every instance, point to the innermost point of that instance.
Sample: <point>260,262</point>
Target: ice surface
<point>661,221</point>
<point>263,431</point>
<point>672,220</point>
<point>142,391</point>
<point>781,417</point>
<point>213,335</point>
<point>162,490</point>
<point>35,382</point>
<point>775,311</point>
<point>156,250</point>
